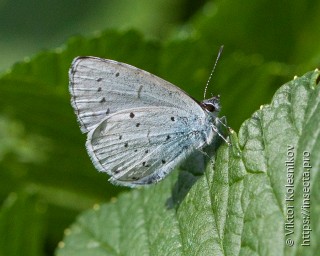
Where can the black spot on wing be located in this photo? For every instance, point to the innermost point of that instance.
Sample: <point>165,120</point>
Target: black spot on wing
<point>145,164</point>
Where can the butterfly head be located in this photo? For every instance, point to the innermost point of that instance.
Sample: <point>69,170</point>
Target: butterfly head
<point>212,105</point>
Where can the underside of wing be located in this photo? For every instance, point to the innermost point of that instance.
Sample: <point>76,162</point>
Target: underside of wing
<point>101,87</point>
<point>140,146</point>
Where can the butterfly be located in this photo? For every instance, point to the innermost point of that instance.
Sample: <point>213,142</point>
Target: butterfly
<point>139,127</point>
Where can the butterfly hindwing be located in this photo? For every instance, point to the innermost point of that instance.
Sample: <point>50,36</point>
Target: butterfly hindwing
<point>142,145</point>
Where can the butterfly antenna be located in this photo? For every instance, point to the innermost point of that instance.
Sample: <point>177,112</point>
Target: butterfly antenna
<point>214,66</point>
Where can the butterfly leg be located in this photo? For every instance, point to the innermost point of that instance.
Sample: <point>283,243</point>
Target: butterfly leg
<point>215,129</point>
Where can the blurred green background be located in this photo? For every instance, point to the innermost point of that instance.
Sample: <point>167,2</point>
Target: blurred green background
<point>46,177</point>
<point>27,27</point>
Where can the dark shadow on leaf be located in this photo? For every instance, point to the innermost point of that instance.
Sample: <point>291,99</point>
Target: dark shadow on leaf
<point>192,169</point>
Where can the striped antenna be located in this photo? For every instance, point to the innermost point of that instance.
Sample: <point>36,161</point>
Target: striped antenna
<point>214,66</point>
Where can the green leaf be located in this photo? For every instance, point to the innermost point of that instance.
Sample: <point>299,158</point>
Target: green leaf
<point>237,207</point>
<point>40,142</point>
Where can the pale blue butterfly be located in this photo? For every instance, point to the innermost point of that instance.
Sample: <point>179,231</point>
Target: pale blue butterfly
<point>140,127</point>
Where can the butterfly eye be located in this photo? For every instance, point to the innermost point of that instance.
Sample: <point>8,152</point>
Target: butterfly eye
<point>210,107</point>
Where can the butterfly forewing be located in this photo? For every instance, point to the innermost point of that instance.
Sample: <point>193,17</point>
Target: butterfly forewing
<point>100,87</point>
